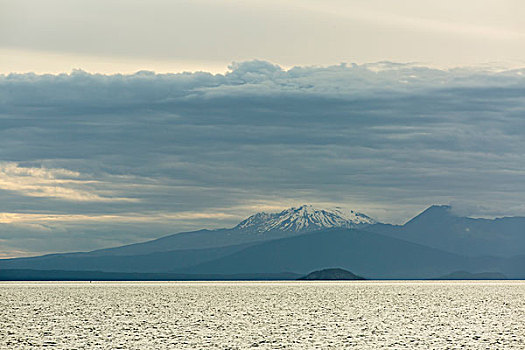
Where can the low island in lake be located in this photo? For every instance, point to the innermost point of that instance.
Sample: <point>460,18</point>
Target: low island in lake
<point>334,274</point>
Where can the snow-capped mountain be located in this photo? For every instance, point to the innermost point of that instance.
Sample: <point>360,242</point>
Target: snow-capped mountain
<point>304,218</point>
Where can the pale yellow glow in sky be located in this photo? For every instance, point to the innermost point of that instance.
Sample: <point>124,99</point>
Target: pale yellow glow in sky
<point>41,62</point>
<point>54,183</point>
<point>25,218</point>
<point>115,36</point>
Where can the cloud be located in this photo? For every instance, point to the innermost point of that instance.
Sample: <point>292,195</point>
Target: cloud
<point>387,139</point>
<point>49,183</point>
<point>10,218</point>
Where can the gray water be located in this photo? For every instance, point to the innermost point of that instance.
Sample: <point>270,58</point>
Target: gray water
<point>267,315</point>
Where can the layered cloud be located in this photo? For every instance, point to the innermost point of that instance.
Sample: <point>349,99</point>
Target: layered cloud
<point>387,139</point>
<point>50,183</point>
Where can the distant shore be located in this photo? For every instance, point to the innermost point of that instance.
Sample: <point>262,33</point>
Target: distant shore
<point>60,275</point>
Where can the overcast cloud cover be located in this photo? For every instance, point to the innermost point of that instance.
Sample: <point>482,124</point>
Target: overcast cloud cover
<point>90,161</point>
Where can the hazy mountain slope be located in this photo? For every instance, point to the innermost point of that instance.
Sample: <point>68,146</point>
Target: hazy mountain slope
<point>438,227</point>
<point>513,267</point>
<point>367,254</point>
<point>202,239</point>
<point>153,262</point>
<point>303,239</point>
<point>256,228</point>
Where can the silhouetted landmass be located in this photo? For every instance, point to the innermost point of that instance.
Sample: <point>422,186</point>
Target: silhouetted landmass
<point>432,244</point>
<point>365,253</point>
<point>331,274</point>
<point>57,275</point>
<point>439,227</point>
<point>464,275</point>
<point>157,262</point>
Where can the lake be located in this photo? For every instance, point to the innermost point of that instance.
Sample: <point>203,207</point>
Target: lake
<point>265,315</point>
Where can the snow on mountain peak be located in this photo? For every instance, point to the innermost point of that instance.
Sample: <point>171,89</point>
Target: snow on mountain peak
<point>305,218</point>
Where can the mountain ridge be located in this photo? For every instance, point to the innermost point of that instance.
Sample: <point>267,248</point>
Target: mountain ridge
<point>439,227</point>
<point>258,227</point>
<point>475,245</point>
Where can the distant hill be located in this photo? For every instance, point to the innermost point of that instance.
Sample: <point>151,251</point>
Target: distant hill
<point>330,274</point>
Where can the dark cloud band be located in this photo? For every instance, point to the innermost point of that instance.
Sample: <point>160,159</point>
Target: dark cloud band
<point>388,141</point>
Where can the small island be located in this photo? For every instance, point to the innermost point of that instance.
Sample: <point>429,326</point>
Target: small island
<point>334,274</point>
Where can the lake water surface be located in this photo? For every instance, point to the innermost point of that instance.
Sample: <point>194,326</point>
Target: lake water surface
<point>267,315</point>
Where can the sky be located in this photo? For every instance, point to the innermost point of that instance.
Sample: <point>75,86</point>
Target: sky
<point>123,121</point>
<point>125,36</point>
